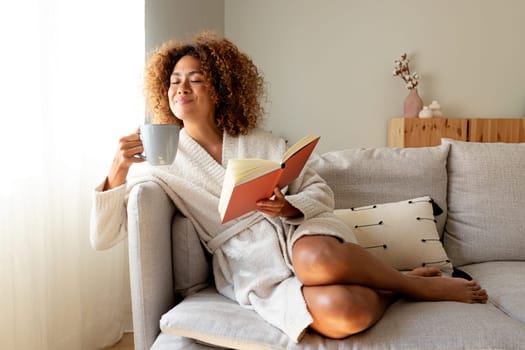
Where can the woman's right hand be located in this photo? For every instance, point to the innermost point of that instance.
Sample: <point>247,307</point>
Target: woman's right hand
<point>127,154</point>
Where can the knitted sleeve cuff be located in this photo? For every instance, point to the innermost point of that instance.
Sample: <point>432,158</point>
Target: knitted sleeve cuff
<point>108,222</point>
<point>305,205</point>
<point>109,199</point>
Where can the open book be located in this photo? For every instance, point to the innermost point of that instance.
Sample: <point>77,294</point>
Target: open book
<point>249,180</point>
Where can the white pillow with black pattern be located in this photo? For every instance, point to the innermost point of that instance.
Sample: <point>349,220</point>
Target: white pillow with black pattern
<point>401,234</point>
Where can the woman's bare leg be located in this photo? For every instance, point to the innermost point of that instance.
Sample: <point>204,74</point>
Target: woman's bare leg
<point>323,260</point>
<point>342,310</point>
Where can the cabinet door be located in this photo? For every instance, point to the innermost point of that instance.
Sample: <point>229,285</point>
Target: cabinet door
<point>418,132</point>
<point>496,130</point>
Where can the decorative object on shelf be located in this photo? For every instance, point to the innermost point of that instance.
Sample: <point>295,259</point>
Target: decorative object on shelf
<point>413,102</point>
<point>436,109</point>
<point>426,112</point>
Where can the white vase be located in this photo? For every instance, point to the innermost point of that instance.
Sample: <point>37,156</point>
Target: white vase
<point>435,107</point>
<point>426,113</point>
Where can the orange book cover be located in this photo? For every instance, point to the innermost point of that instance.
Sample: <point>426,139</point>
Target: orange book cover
<point>250,180</point>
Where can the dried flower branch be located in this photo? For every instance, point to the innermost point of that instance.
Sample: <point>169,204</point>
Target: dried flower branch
<point>401,69</point>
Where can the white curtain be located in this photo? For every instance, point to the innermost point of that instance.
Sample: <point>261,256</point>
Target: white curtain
<point>70,86</point>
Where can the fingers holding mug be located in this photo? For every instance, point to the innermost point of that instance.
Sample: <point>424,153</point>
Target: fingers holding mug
<point>128,147</point>
<point>131,148</point>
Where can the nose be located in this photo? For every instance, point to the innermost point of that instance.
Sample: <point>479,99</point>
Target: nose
<point>184,87</point>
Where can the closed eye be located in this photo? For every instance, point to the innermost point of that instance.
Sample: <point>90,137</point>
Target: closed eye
<point>176,82</point>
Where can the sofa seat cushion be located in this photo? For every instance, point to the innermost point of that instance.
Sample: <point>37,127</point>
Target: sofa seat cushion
<point>365,176</point>
<point>213,319</point>
<point>486,201</point>
<point>505,284</point>
<point>442,325</point>
<point>172,342</point>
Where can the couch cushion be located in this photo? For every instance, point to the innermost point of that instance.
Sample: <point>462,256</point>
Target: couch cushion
<point>190,266</point>
<point>172,342</point>
<point>486,202</point>
<point>442,325</point>
<point>362,177</point>
<point>213,319</point>
<point>401,234</point>
<point>505,284</point>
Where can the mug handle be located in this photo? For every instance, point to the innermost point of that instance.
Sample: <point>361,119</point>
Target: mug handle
<point>140,155</point>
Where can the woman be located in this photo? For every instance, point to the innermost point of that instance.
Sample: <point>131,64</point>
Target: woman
<point>292,261</point>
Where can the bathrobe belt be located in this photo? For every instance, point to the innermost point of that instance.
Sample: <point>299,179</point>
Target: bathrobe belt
<point>241,225</point>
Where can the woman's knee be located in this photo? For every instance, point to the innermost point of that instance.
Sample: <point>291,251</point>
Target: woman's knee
<point>340,311</point>
<point>313,257</point>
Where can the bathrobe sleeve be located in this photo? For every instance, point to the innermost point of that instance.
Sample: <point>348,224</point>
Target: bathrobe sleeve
<point>108,222</point>
<point>311,195</point>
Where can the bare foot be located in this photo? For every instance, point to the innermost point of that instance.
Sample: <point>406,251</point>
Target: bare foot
<point>418,271</point>
<point>425,272</point>
<point>446,289</point>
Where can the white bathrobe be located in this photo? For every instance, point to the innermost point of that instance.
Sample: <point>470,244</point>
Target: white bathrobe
<point>252,254</point>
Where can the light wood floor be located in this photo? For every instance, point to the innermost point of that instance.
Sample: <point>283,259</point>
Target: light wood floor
<point>126,343</point>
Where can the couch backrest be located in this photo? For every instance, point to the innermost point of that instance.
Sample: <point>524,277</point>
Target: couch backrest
<point>358,177</point>
<point>362,177</point>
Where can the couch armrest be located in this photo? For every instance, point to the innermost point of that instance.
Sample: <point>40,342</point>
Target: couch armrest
<point>150,214</point>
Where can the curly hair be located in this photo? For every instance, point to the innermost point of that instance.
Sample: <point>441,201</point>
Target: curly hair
<point>233,81</point>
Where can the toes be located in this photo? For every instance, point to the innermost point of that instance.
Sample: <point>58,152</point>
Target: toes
<point>473,284</point>
<point>475,288</point>
<point>480,296</point>
<point>482,300</point>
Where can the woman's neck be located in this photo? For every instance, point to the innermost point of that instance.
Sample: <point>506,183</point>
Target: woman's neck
<point>208,137</point>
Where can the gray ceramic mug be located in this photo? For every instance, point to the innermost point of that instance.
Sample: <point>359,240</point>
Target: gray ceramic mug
<point>160,143</point>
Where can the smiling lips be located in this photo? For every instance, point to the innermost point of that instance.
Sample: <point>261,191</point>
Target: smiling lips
<point>183,100</point>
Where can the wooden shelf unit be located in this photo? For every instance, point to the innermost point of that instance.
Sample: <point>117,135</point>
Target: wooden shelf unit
<point>419,132</point>
<point>497,130</point>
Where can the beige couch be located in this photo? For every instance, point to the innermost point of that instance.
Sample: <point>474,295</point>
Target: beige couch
<point>480,187</point>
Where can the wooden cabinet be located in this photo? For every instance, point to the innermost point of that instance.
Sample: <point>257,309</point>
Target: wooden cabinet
<point>418,132</point>
<point>496,130</point>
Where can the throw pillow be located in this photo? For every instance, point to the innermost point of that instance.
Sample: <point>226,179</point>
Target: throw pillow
<point>486,200</point>
<point>363,176</point>
<point>401,234</point>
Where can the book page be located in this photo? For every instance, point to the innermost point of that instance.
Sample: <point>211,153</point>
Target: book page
<point>240,199</point>
<point>298,146</point>
<point>243,170</point>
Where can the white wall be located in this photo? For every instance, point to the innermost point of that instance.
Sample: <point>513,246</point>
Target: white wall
<point>180,19</point>
<point>329,63</point>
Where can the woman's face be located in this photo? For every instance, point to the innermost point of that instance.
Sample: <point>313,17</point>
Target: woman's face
<point>188,95</point>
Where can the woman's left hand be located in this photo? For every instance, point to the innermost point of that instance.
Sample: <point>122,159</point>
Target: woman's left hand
<point>277,205</point>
